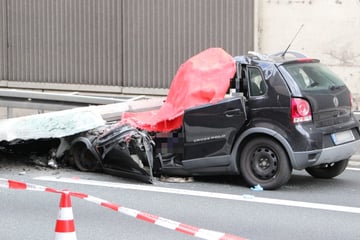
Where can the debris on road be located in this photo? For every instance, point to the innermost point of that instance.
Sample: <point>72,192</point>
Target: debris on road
<point>257,188</point>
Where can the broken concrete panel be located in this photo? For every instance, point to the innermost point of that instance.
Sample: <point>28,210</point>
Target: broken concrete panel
<point>146,104</point>
<point>113,112</point>
<point>68,122</point>
<point>50,125</point>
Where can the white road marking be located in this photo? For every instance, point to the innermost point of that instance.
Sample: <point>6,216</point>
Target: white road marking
<point>355,163</point>
<point>245,197</point>
<point>353,169</point>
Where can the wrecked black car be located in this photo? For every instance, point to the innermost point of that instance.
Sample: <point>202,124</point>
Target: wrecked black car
<point>256,116</point>
<point>191,150</point>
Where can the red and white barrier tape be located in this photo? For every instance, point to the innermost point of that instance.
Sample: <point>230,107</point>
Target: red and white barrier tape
<point>11,184</point>
<point>160,221</point>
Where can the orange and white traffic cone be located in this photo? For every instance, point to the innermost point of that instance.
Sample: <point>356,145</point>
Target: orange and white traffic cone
<point>65,226</point>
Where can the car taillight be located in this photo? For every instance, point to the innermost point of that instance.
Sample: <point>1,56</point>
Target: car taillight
<point>300,110</point>
<point>352,103</point>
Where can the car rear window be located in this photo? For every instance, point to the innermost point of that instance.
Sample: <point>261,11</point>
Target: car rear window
<point>313,76</point>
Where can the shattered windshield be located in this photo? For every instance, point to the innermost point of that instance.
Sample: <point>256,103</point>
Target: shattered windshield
<point>313,76</point>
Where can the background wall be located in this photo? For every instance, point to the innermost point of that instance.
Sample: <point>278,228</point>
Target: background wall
<point>135,47</point>
<point>120,46</point>
<point>3,40</point>
<point>331,33</point>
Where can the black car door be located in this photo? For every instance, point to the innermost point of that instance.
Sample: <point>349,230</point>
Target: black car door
<point>210,129</point>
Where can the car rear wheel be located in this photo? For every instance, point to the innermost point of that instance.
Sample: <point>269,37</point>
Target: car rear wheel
<point>264,162</point>
<point>328,170</point>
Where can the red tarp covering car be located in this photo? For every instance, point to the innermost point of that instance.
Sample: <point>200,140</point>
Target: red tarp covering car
<point>204,78</point>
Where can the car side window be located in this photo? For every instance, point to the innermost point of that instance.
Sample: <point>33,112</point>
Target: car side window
<point>257,84</point>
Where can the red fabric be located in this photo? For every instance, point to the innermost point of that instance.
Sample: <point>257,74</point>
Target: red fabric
<point>204,78</point>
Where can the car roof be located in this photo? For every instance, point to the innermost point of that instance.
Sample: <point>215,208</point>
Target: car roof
<point>277,58</point>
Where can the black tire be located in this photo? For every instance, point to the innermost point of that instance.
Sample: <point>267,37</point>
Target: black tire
<point>84,159</point>
<point>263,161</point>
<point>329,170</point>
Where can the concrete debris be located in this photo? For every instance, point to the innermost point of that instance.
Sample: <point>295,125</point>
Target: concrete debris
<point>52,159</point>
<point>257,188</point>
<point>176,179</point>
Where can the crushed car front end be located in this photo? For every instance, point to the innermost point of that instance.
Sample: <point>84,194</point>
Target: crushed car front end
<point>115,149</point>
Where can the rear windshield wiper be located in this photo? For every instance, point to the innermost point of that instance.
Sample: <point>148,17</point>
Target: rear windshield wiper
<point>314,84</point>
<point>333,87</point>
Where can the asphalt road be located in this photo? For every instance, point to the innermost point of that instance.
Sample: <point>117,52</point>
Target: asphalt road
<point>305,208</point>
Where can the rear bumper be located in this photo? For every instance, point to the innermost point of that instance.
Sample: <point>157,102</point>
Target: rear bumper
<point>337,153</point>
<point>357,115</point>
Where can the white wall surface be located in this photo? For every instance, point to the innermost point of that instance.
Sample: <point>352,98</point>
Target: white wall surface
<point>331,32</point>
